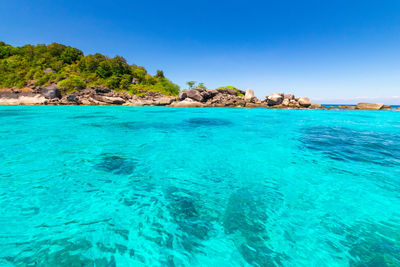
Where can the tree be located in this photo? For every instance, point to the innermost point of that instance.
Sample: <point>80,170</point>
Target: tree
<point>72,83</point>
<point>160,74</point>
<point>20,66</point>
<point>70,55</point>
<point>201,85</point>
<point>191,84</point>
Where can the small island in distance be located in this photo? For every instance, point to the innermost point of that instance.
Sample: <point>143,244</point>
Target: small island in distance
<point>57,74</point>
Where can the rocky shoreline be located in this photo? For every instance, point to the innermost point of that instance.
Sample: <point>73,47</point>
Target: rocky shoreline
<point>198,97</point>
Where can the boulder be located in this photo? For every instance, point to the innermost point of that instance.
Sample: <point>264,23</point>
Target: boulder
<point>182,95</point>
<point>187,104</point>
<point>73,98</point>
<point>346,107</point>
<point>289,96</point>
<point>249,95</point>
<point>304,102</point>
<point>316,106</point>
<point>195,95</point>
<point>213,92</point>
<point>369,106</point>
<point>231,91</point>
<point>274,99</point>
<point>134,81</point>
<point>49,70</point>
<point>255,105</point>
<point>206,94</point>
<point>163,101</point>
<point>109,99</point>
<point>51,92</point>
<point>285,102</point>
<point>294,104</point>
<point>102,90</point>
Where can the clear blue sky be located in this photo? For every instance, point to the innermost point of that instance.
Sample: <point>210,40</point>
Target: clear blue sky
<point>332,51</point>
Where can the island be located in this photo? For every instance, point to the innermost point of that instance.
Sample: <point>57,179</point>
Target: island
<point>57,74</point>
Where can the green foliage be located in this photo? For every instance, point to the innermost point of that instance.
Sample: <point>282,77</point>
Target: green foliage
<point>190,84</point>
<point>201,85</point>
<point>70,55</point>
<point>228,87</point>
<point>72,83</point>
<point>231,87</point>
<point>160,74</point>
<point>74,71</point>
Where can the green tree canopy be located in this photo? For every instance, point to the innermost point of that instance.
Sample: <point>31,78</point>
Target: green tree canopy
<point>24,65</point>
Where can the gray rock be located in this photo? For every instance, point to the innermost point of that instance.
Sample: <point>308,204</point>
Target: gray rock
<point>316,106</point>
<point>206,94</point>
<point>195,95</point>
<point>374,106</point>
<point>73,98</point>
<point>289,96</point>
<point>231,91</point>
<point>249,95</point>
<point>49,70</point>
<point>102,90</point>
<point>274,99</point>
<point>51,92</point>
<point>182,96</point>
<point>285,102</point>
<point>109,99</point>
<point>163,101</point>
<point>187,103</point>
<point>304,102</point>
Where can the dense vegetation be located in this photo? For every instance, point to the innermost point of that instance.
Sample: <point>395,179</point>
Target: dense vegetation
<point>72,70</point>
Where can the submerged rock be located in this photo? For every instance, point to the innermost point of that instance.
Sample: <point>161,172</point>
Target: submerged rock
<point>116,164</point>
<point>246,218</point>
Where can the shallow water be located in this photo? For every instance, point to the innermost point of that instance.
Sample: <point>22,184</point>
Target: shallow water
<point>154,186</point>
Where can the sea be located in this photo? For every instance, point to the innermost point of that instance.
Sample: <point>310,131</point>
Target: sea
<point>162,186</point>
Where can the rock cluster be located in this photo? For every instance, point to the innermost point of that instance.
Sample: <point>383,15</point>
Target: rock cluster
<point>211,98</point>
<point>198,97</point>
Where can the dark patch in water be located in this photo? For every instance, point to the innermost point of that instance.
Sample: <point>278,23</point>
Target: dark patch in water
<point>68,253</point>
<point>366,243</point>
<point>161,111</point>
<point>92,117</point>
<point>198,122</point>
<point>16,113</point>
<point>340,143</point>
<point>246,219</point>
<point>374,244</point>
<point>116,164</point>
<point>183,208</point>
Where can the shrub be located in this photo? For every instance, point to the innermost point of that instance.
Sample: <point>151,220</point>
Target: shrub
<point>72,83</point>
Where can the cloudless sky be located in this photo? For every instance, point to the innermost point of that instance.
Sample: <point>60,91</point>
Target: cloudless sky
<point>332,51</point>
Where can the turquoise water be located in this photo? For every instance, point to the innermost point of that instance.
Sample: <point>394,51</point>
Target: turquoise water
<point>155,186</point>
